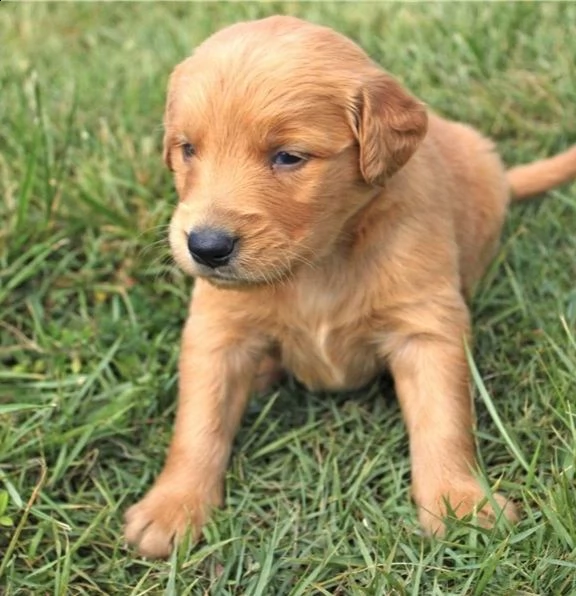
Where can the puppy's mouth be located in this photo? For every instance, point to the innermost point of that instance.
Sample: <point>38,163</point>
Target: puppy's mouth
<point>226,280</point>
<point>235,277</point>
<point>239,267</point>
<point>223,279</point>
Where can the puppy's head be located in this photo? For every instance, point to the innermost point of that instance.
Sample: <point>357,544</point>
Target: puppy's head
<point>277,132</point>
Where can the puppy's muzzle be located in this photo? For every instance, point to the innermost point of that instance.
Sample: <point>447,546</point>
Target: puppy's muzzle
<point>210,247</point>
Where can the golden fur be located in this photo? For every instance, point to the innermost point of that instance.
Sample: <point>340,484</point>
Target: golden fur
<point>358,259</point>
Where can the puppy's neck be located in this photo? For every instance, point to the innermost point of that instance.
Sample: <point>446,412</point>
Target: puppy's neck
<point>359,231</point>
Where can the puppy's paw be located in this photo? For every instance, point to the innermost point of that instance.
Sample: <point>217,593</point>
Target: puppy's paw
<point>156,524</point>
<point>461,500</point>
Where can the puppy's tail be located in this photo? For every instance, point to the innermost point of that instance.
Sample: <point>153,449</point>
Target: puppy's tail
<point>537,177</point>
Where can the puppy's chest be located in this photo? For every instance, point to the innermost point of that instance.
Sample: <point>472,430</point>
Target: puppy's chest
<point>327,344</point>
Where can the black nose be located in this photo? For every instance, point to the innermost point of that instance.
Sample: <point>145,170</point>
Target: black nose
<point>210,247</point>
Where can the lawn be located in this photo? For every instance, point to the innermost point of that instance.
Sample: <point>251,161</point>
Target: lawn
<point>91,308</point>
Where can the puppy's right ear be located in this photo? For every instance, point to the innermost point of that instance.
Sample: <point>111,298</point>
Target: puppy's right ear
<point>389,125</point>
<point>166,153</point>
<point>173,82</point>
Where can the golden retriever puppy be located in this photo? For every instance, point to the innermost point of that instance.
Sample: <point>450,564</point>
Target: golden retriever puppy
<point>335,227</point>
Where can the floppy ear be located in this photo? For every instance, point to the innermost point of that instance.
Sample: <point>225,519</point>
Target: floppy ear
<point>167,111</point>
<point>389,125</point>
<point>171,92</point>
<point>166,153</point>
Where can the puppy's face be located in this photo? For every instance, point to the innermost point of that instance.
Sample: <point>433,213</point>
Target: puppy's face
<point>277,132</point>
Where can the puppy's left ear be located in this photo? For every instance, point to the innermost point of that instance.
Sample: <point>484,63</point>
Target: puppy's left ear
<point>389,124</point>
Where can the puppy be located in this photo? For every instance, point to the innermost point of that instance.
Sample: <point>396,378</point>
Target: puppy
<point>335,227</point>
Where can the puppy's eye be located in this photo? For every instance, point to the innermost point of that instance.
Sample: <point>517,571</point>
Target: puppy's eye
<point>287,160</point>
<point>188,151</point>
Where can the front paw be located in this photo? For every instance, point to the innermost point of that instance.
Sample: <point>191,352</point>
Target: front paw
<point>460,500</point>
<point>156,523</point>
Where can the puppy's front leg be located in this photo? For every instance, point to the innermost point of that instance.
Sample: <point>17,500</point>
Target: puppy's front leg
<point>432,383</point>
<point>218,362</point>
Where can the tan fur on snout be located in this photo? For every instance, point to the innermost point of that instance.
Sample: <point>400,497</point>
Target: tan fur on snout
<point>357,258</point>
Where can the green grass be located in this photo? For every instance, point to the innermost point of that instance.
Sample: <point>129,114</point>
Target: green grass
<point>91,309</point>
